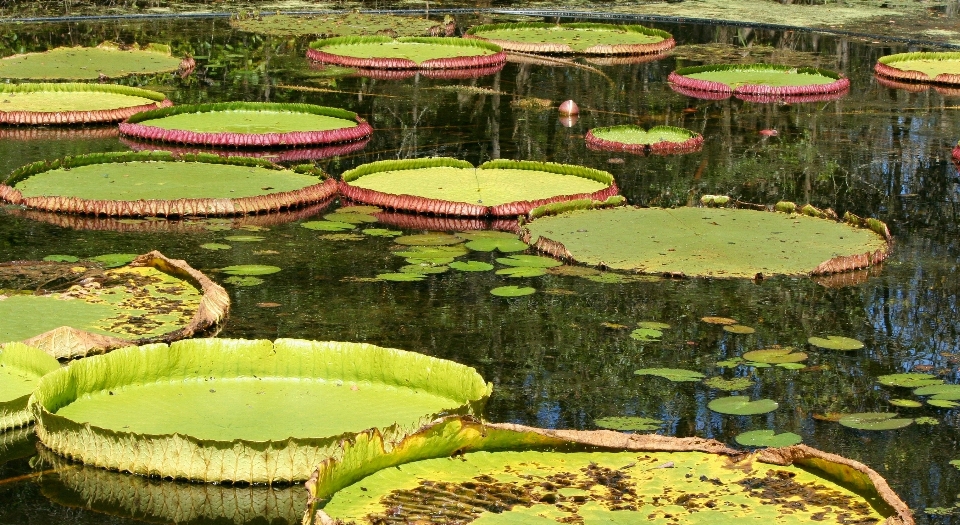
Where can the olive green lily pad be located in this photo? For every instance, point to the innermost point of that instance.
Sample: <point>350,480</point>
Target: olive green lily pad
<point>628,423</point>
<point>57,103</point>
<point>905,403</point>
<point>646,334</point>
<point>21,368</point>
<point>733,361</point>
<point>61,258</point>
<point>416,49</point>
<point>259,400</point>
<point>723,321</point>
<point>424,269</point>
<point>349,217</point>
<point>88,63</point>
<point>942,392</point>
<point>327,226</point>
<point>767,438</point>
<point>331,25</point>
<point>942,403</point>
<point>909,380</point>
<point>529,261</point>
<point>836,342</point>
<point>381,232</point>
<point>471,266</point>
<point>522,271</point>
<point>215,246</point>
<point>655,325</point>
<point>501,245</point>
<point>775,355</point>
<point>244,281</point>
<point>572,38</point>
<point>670,374</point>
<point>512,291</point>
<point>429,239</point>
<point>707,242</point>
<point>244,238</point>
<point>401,277</point>
<point>742,406</point>
<point>115,260</point>
<point>635,135</point>
<point>930,65</point>
<point>874,421</point>
<point>475,235</point>
<point>738,329</point>
<point>250,269</point>
<point>729,385</point>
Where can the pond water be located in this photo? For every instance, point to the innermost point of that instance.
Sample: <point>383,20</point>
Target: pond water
<point>557,358</point>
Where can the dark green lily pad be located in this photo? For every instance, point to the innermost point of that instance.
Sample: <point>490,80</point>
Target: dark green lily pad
<point>401,277</point>
<point>670,374</point>
<point>61,258</point>
<point>327,226</point>
<point>512,291</point>
<point>243,281</point>
<point>738,329</point>
<point>728,385</point>
<point>381,232</point>
<point>655,325</point>
<point>522,271</point>
<point>244,238</point>
<point>529,261</point>
<point>502,245</point>
<point>905,403</point>
<point>216,246</point>
<point>115,260</point>
<point>775,355</point>
<point>874,421</point>
<point>742,406</point>
<point>942,403</point>
<point>767,438</point>
<point>835,342</point>
<point>250,269</point>
<point>635,423</point>
<point>428,239</point>
<point>909,380</point>
<point>646,334</point>
<point>349,217</point>
<point>471,266</point>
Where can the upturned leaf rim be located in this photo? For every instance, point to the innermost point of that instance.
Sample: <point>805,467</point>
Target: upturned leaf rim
<point>666,43</point>
<point>493,61</point>
<point>69,118</point>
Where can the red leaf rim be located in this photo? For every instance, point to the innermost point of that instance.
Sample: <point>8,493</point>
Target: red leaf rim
<point>269,203</point>
<point>283,155</point>
<point>550,48</point>
<point>956,154</point>
<point>465,62</point>
<point>657,148</point>
<point>248,140</point>
<point>412,221</point>
<point>910,75</point>
<point>58,133</point>
<point>66,118</point>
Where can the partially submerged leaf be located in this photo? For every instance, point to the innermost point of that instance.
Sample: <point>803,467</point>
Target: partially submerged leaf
<point>215,246</point>
<point>905,403</point>
<point>628,423</point>
<point>428,239</point>
<point>742,406</point>
<point>655,325</point>
<point>349,218</point>
<point>61,258</point>
<point>424,269</point>
<point>115,260</point>
<point>401,277</point>
<point>244,238</point>
<point>244,281</point>
<point>670,374</point>
<point>767,438</point>
<point>381,232</point>
<point>738,329</point>
<point>835,342</point>
<point>927,421</point>
<point>874,421</point>
<point>723,321</point>
<point>646,334</point>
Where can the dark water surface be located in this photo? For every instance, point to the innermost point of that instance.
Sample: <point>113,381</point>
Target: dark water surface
<point>877,152</point>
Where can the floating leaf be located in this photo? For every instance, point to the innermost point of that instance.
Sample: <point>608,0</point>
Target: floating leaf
<point>874,421</point>
<point>628,423</point>
<point>909,380</point>
<point>349,218</point>
<point>941,392</point>
<point>775,355</point>
<point>906,403</point>
<point>656,325</point>
<point>216,246</point>
<point>942,403</point>
<point>254,228</point>
<point>719,320</point>
<point>424,269</point>
<point>529,261</point>
<point>244,238</point>
<point>244,281</point>
<point>327,226</point>
<point>502,245</point>
<point>61,258</point>
<point>250,269</point>
<point>835,342</point>
<point>646,334</point>
<point>336,237</point>
<point>381,232</point>
<point>428,239</point>
<point>115,260</point>
<point>791,366</point>
<point>733,361</point>
<point>671,374</point>
<point>573,271</point>
<point>738,329</point>
<point>729,385</point>
<point>742,406</point>
<point>767,438</point>
<point>614,326</point>
<point>471,266</point>
<point>758,365</point>
<point>522,271</point>
<point>512,291</point>
<point>927,421</point>
<point>366,210</point>
<point>608,278</point>
<point>401,277</point>
<point>447,253</point>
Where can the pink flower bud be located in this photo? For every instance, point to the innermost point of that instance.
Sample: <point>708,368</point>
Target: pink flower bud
<point>569,107</point>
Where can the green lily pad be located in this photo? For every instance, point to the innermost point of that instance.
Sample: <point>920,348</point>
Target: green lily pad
<point>756,364</point>
<point>608,278</point>
<point>215,246</point>
<point>655,325</point>
<point>775,355</point>
<point>381,232</point>
<point>736,75</point>
<point>522,271</point>
<point>927,421</point>
<point>835,342</point>
<point>115,260</point>
<point>416,49</point>
<point>742,406</point>
<point>905,403</point>
<point>940,392</point>
<point>424,269</point>
<point>909,380</point>
<point>349,217</point>
<point>250,269</point>
<point>432,252</point>
<point>767,438</point>
<point>471,266</point>
<point>646,334</point>
<point>628,423</point>
<point>723,321</point>
<point>738,329</point>
<point>401,277</point>
<point>88,63</point>
<point>61,258</point>
<point>429,239</point>
<point>631,135</point>
<point>587,38</point>
<point>670,374</point>
<point>733,361</point>
<point>529,261</point>
<point>791,366</point>
<point>502,245</point>
<point>728,385</point>
<point>244,281</point>
<point>512,291</point>
<point>327,226</point>
<point>874,421</point>
<point>942,403</point>
<point>21,368</point>
<point>244,238</point>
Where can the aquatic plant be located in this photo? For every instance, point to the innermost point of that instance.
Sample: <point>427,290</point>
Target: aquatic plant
<point>759,82</point>
<point>71,103</point>
<point>105,61</point>
<point>418,53</point>
<point>580,38</point>
<point>248,124</point>
<point>342,24</point>
<point>659,140</point>
<point>21,368</point>
<point>275,154</point>
<point>939,68</point>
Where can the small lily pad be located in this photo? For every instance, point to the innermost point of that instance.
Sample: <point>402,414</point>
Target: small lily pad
<point>671,374</point>
<point>327,226</point>
<point>742,406</point>
<point>775,355</point>
<point>719,320</point>
<point>381,232</point>
<point>250,269</point>
<point>471,266</point>
<point>244,238</point>
<point>738,329</point>
<point>941,392</point>
<point>216,246</point>
<point>529,261</point>
<point>909,380</point>
<point>628,423</point>
<point>349,217</point>
<point>874,421</point>
<point>61,258</point>
<point>767,438</point>
<point>428,239</point>
<point>522,271</point>
<point>115,260</point>
<point>646,334</point>
<point>655,325</point>
<point>728,385</point>
<point>927,421</point>
<point>424,269</point>
<point>835,342</point>
<point>243,281</point>
<point>401,277</point>
<point>792,366</point>
<point>906,403</point>
<point>942,403</point>
<point>512,291</point>
<point>502,245</point>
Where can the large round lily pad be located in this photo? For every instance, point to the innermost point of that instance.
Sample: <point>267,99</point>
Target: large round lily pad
<point>382,52</point>
<point>742,406</point>
<point>516,474</point>
<point>135,184</point>
<point>248,124</point>
<point>91,63</point>
<point>21,368</point>
<point>153,299</point>
<point>759,82</point>
<point>939,68</point>
<point>238,410</point>
<point>659,140</point>
<point>446,186</point>
<point>343,24</point>
<point>35,104</point>
<point>717,242</point>
<point>874,421</point>
<point>580,38</point>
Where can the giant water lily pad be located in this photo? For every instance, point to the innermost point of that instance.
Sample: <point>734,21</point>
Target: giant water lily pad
<point>446,186</point>
<point>670,374</point>
<point>255,124</point>
<point>153,183</point>
<point>152,299</point>
<point>715,242</point>
<point>874,421</point>
<point>581,38</point>
<point>383,52</point>
<point>742,406</point>
<point>89,63</point>
<point>21,368</point>
<point>659,139</point>
<point>345,24</point>
<point>68,103</point>
<point>238,410</point>
<point>516,474</point>
<point>940,68</point>
<point>758,82</point>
